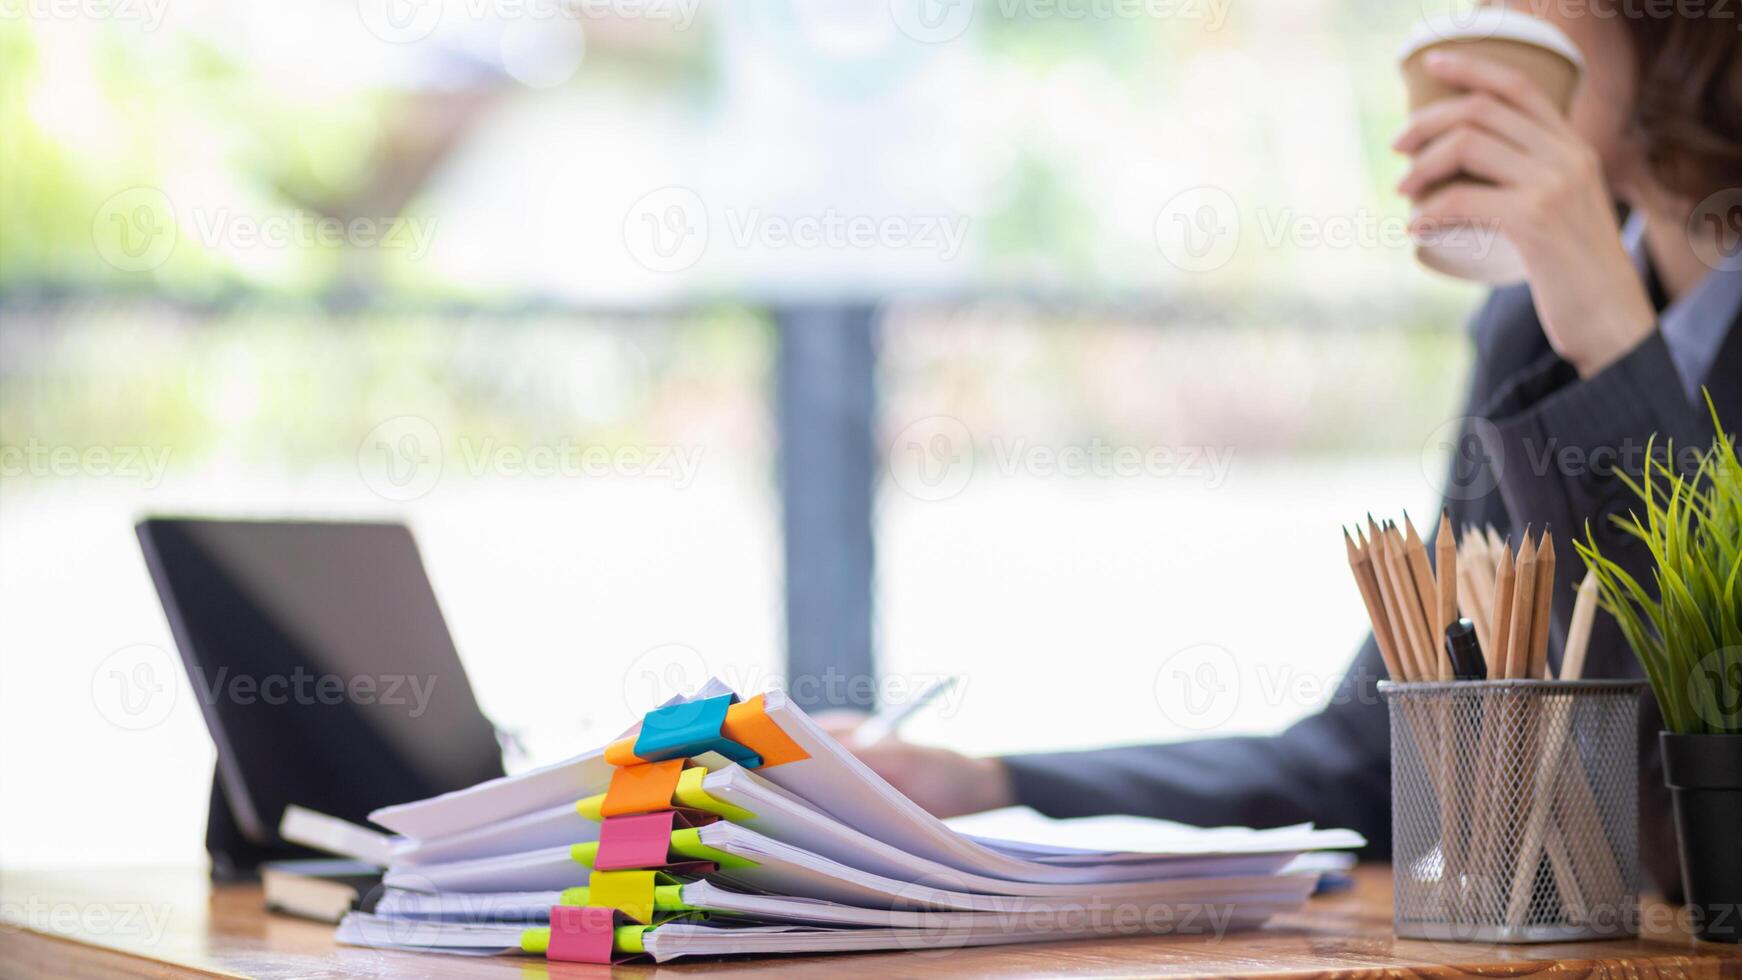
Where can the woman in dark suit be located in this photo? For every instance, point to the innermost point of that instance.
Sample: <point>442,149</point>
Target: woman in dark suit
<point>1610,342</point>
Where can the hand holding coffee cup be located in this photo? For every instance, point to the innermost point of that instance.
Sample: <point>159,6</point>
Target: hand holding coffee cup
<point>1519,43</point>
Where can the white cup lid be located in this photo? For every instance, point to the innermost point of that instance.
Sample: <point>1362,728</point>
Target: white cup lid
<point>1501,23</point>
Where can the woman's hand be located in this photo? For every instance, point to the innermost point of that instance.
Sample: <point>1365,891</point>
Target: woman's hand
<point>946,783</point>
<point>1546,195</point>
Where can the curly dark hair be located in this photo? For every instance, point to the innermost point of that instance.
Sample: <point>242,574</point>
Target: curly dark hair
<point>1688,111</point>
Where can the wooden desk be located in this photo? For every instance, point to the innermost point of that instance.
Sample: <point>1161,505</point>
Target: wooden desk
<point>171,923</point>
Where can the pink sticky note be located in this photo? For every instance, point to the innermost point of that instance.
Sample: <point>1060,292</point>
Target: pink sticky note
<point>581,935</point>
<point>642,840</point>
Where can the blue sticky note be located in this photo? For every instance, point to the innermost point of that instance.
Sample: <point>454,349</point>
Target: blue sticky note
<point>678,731</point>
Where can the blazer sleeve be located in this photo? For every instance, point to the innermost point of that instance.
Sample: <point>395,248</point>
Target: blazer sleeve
<point>1556,441</point>
<point>1332,768</point>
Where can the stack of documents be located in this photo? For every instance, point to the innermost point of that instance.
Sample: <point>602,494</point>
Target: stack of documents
<point>728,826</point>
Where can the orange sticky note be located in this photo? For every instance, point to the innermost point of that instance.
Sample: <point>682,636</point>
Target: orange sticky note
<point>622,753</point>
<point>642,788</point>
<point>748,724</point>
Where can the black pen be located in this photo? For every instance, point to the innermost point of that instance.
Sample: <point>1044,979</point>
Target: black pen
<point>1465,652</point>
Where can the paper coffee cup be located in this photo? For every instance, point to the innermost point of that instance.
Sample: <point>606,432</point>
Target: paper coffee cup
<point>1513,38</point>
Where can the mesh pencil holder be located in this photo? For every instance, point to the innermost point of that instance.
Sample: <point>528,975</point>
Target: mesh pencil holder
<point>1514,809</point>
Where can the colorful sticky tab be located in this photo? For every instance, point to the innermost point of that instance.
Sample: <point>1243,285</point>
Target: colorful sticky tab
<point>573,896</point>
<point>632,940</point>
<point>592,807</point>
<point>642,788</point>
<point>584,853</point>
<point>582,935</point>
<point>747,723</point>
<point>667,895</point>
<point>691,794</point>
<point>689,728</point>
<point>747,727</point>
<point>629,892</point>
<point>641,840</point>
<point>622,753</point>
<point>687,842</point>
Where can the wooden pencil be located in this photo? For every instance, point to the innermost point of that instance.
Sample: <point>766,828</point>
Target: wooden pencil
<point>1362,566</point>
<point>1388,602</point>
<point>1579,630</point>
<point>1544,607</point>
<point>1385,563</point>
<point>1446,576</point>
<point>1502,623</point>
<point>1427,593</point>
<point>1474,553</point>
<point>1523,608</point>
<point>1474,606</point>
<point>1487,820</point>
<point>1485,569</point>
<point>1409,603</point>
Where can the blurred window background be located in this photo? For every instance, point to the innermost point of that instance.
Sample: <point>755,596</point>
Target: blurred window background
<point>609,299</point>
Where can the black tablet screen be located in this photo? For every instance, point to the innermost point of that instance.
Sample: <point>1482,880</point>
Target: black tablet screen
<point>322,663</point>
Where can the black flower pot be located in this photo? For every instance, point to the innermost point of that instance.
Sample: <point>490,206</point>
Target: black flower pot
<point>1704,773</point>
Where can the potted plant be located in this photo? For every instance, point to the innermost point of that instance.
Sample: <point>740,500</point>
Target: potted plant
<point>1686,629</point>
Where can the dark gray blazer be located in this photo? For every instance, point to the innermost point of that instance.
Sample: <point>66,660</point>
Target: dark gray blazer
<point>1334,767</point>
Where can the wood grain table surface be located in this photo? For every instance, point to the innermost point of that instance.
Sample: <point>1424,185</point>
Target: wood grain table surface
<point>173,922</point>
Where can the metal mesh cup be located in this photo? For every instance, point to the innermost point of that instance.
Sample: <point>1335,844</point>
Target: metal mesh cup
<point>1514,809</point>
